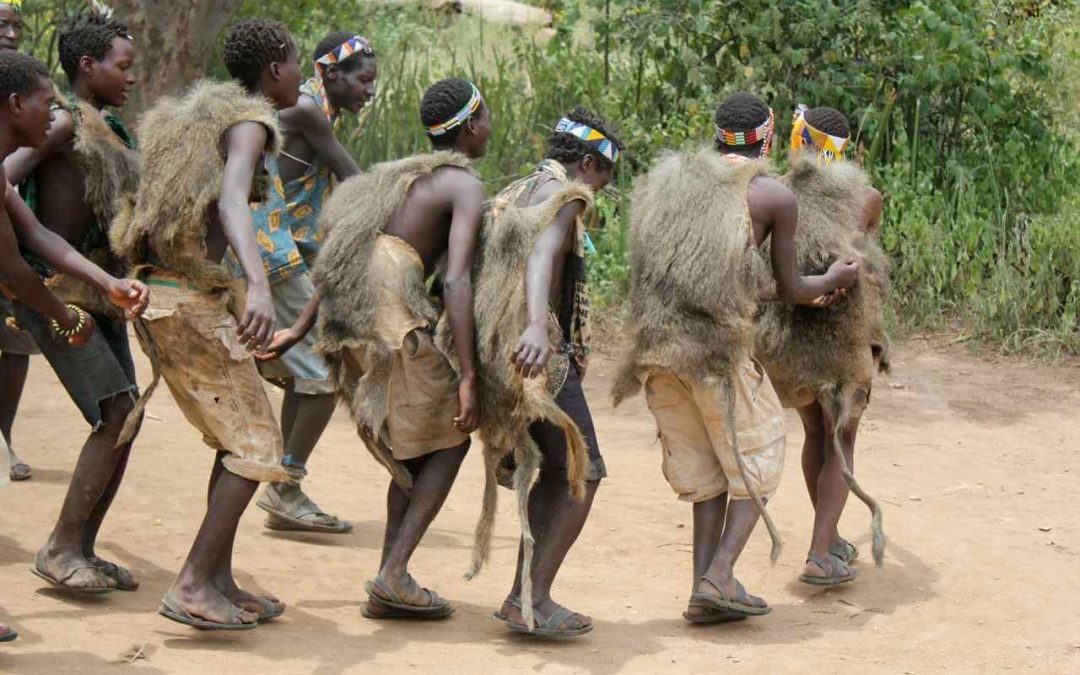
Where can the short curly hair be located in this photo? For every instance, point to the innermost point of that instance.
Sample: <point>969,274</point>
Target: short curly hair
<point>741,111</point>
<point>568,148</point>
<point>252,45</point>
<point>829,120</point>
<point>334,40</point>
<point>90,33</point>
<point>20,73</point>
<point>442,101</point>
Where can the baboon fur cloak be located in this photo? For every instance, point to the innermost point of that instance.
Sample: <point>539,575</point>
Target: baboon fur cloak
<point>695,274</point>
<point>830,355</point>
<point>111,171</point>
<point>356,213</point>
<point>183,160</point>
<point>509,403</point>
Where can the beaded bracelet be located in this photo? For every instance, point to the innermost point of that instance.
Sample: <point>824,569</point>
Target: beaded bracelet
<point>70,332</point>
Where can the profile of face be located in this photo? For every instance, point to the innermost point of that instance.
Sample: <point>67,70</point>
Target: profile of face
<point>594,173</point>
<point>11,28</point>
<point>110,79</point>
<point>31,114</point>
<point>353,88</point>
<point>477,131</point>
<point>285,80</point>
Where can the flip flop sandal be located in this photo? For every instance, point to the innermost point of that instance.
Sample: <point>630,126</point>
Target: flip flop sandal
<point>844,550</point>
<point>8,635</point>
<point>293,521</point>
<point>386,612</point>
<point>270,609</point>
<point>724,603</point>
<point>381,591</point>
<point>20,471</point>
<point>38,569</point>
<point>829,579</point>
<point>171,609</point>
<point>125,580</point>
<point>714,616</point>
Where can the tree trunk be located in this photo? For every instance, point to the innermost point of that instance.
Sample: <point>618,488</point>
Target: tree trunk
<point>174,41</point>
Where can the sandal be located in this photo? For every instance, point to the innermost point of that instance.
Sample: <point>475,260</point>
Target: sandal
<point>125,580</point>
<point>305,516</point>
<point>39,570</point>
<point>171,609</point>
<point>845,550</point>
<point>546,627</point>
<point>829,567</point>
<point>380,591</point>
<point>722,602</point>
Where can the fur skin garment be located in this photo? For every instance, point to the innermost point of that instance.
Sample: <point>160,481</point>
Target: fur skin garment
<point>694,280</point>
<point>183,159</point>
<point>829,355</point>
<point>357,211</point>
<point>509,403</point>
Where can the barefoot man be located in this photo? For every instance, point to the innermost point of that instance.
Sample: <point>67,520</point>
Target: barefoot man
<point>414,398</point>
<point>698,220</point>
<point>311,158</point>
<point>203,154</point>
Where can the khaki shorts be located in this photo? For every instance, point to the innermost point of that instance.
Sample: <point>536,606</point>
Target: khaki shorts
<point>698,460</point>
<point>422,400</point>
<point>212,377</point>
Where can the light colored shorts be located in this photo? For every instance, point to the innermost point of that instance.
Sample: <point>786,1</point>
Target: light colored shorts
<point>302,364</point>
<point>422,400</point>
<point>697,443</point>
<point>212,376</point>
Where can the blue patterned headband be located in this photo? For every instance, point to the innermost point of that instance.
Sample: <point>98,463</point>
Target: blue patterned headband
<point>462,115</point>
<point>592,137</point>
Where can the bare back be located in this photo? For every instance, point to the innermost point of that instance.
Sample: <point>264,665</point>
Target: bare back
<point>425,217</point>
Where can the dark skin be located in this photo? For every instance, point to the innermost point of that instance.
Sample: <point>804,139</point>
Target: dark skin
<point>205,587</point>
<point>824,480</point>
<point>101,464</point>
<point>723,526</point>
<point>442,213</point>
<point>11,27</point>
<point>555,517</point>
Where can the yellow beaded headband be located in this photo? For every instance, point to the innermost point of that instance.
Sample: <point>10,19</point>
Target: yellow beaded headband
<point>14,4</point>
<point>803,135</point>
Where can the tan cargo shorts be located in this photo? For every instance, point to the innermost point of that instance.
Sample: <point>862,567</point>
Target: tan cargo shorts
<point>698,460</point>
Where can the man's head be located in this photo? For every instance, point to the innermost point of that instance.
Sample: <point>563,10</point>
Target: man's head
<point>346,63</point>
<point>744,126</point>
<point>26,98</point>
<point>587,145</point>
<point>96,53</point>
<point>824,131</point>
<point>456,117</point>
<point>11,24</point>
<point>262,56</point>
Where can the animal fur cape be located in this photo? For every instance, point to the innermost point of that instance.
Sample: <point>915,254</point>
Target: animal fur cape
<point>823,354</point>
<point>694,276</point>
<point>357,211</point>
<point>509,404</point>
<point>183,155</point>
<point>111,170</point>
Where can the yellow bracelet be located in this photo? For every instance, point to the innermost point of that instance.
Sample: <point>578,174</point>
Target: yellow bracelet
<point>70,332</point>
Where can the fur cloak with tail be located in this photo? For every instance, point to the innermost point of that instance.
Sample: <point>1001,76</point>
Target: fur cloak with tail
<point>694,278</point>
<point>509,404</point>
<point>111,171</point>
<point>825,354</point>
<point>355,214</point>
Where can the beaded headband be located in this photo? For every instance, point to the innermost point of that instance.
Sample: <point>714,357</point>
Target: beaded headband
<point>741,138</point>
<point>14,4</point>
<point>803,135</point>
<point>592,137</point>
<point>353,45</point>
<point>461,117</point>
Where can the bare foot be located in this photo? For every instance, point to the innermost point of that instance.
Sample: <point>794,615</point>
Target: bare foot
<point>209,604</point>
<point>71,570</point>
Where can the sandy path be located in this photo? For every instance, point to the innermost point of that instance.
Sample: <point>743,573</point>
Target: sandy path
<point>972,460</point>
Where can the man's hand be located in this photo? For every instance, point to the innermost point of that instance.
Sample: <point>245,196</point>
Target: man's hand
<point>283,341</point>
<point>82,337</point>
<point>468,417</point>
<point>828,300</point>
<point>130,295</point>
<point>533,350</point>
<point>256,330</point>
<point>843,273</point>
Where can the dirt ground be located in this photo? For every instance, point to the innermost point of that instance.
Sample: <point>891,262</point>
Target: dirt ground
<point>977,464</point>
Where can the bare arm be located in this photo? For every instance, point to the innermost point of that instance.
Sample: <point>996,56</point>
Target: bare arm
<point>534,349</point>
<point>245,143</point>
<point>23,161</point>
<point>774,204</point>
<point>287,338</point>
<point>309,120</point>
<point>872,211</point>
<point>22,281</point>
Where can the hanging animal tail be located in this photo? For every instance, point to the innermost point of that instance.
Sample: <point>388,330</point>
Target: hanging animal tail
<point>486,525</point>
<point>836,401</point>
<point>134,418</point>
<point>525,476</point>
<point>384,456</point>
<point>729,405</point>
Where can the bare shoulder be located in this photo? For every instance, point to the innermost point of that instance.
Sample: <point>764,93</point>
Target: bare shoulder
<point>306,112</point>
<point>767,196</point>
<point>457,181</point>
<point>874,199</point>
<point>247,137</point>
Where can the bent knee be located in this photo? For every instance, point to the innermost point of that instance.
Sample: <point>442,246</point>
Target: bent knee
<point>114,413</point>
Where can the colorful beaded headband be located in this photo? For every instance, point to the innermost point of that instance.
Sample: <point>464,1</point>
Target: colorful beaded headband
<point>592,137</point>
<point>803,135</point>
<point>353,45</point>
<point>14,4</point>
<point>461,117</point>
<point>740,138</point>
